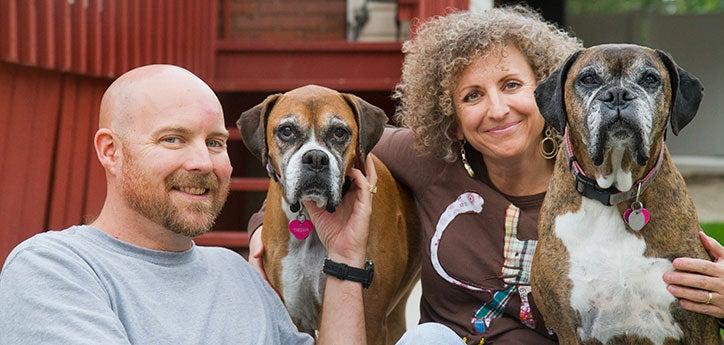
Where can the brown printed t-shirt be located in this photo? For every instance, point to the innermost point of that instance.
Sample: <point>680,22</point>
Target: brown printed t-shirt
<point>477,246</point>
<point>475,261</point>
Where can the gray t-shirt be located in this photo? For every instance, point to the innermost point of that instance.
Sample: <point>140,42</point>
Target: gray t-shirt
<point>81,286</point>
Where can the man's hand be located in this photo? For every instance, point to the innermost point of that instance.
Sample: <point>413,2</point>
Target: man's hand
<point>344,233</point>
<point>699,284</point>
<point>256,252</point>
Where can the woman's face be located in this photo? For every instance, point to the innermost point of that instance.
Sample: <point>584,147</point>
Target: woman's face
<point>495,105</point>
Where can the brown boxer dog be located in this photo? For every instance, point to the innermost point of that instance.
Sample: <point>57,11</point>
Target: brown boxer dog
<point>617,211</point>
<point>308,139</point>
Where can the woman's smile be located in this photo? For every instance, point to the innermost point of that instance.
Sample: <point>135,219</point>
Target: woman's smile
<point>504,128</point>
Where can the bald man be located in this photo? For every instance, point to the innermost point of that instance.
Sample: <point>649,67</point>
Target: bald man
<point>134,276</point>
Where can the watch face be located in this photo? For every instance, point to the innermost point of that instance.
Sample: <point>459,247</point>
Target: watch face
<point>369,266</point>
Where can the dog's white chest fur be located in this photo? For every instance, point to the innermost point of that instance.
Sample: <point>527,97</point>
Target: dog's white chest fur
<point>616,289</point>
<point>303,280</point>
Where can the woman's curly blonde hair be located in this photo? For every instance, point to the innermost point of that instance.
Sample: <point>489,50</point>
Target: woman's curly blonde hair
<point>445,45</point>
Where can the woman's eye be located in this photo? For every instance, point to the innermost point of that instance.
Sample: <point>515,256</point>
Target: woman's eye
<point>471,96</point>
<point>512,85</point>
<point>286,132</point>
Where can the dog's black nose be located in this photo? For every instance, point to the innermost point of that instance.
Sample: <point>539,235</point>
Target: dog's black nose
<point>315,160</point>
<point>617,97</point>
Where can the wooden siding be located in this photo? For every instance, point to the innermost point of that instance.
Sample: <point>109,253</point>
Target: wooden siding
<point>50,177</point>
<point>105,38</point>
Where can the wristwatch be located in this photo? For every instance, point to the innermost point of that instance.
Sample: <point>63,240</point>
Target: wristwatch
<point>345,272</point>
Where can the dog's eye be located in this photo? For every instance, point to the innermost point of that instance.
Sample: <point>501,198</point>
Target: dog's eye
<point>340,134</point>
<point>589,79</point>
<point>650,80</point>
<point>285,132</point>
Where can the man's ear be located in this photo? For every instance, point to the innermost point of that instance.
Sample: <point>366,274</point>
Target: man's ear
<point>371,121</point>
<point>252,127</point>
<point>107,149</point>
<point>686,93</point>
<point>550,95</point>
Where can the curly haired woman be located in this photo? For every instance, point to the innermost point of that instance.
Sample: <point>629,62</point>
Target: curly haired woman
<point>473,135</point>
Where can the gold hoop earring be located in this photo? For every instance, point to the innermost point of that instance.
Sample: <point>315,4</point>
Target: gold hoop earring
<point>550,144</point>
<point>467,166</point>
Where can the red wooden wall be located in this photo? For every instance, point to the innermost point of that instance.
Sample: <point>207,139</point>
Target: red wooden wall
<point>50,177</point>
<point>108,37</point>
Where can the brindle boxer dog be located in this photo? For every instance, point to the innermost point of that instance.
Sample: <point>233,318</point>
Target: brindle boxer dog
<point>598,267</point>
<point>308,139</point>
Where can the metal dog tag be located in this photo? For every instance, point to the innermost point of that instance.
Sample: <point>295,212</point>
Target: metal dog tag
<point>301,228</point>
<point>637,216</point>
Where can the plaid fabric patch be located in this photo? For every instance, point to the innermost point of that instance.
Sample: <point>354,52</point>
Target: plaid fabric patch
<point>515,273</point>
<point>494,308</point>
<point>518,254</point>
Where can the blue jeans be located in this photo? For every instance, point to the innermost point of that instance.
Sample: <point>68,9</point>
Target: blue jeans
<point>430,333</point>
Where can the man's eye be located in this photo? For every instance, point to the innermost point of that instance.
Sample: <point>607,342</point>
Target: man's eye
<point>171,140</point>
<point>285,132</point>
<point>215,143</point>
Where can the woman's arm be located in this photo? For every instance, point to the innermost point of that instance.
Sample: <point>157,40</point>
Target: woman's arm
<point>699,284</point>
<point>396,149</point>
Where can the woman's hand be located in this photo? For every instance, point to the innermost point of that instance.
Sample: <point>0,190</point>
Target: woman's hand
<point>256,252</point>
<point>699,284</point>
<point>344,233</point>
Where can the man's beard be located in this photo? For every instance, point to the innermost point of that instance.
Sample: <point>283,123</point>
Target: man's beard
<point>144,197</point>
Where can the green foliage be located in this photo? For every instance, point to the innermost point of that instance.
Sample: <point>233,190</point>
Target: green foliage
<point>715,230</point>
<point>576,7</point>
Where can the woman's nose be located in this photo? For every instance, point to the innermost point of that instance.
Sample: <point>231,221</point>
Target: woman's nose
<point>498,105</point>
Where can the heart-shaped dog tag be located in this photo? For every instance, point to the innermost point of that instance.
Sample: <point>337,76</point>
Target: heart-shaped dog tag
<point>301,228</point>
<point>637,218</point>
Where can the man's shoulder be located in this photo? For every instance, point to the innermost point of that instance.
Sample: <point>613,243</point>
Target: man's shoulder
<point>221,253</point>
<point>49,257</point>
<point>53,241</point>
<point>230,262</point>
<point>223,257</point>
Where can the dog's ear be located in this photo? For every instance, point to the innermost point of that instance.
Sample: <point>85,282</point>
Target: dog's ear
<point>252,127</point>
<point>686,93</point>
<point>550,97</point>
<point>371,121</point>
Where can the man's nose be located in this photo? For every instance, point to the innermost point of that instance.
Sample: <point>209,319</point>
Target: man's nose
<point>315,160</point>
<point>616,97</point>
<point>199,159</point>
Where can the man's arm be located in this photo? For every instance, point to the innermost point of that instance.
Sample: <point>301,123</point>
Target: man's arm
<point>342,312</point>
<point>50,296</point>
<point>344,233</point>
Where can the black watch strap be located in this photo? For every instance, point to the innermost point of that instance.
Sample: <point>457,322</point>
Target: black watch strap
<point>346,272</point>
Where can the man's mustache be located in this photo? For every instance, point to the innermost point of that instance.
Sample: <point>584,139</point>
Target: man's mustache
<point>186,179</point>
